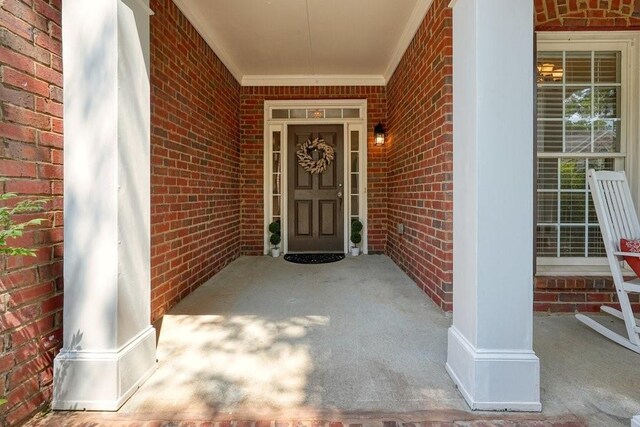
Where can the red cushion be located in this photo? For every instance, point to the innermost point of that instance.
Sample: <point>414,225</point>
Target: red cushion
<point>631,246</point>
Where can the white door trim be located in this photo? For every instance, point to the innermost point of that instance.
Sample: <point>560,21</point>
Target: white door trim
<point>349,124</point>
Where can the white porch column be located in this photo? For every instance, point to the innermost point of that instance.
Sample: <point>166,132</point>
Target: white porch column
<point>109,345</point>
<point>490,354</point>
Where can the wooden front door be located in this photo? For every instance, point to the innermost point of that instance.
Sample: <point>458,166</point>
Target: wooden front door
<point>315,202</point>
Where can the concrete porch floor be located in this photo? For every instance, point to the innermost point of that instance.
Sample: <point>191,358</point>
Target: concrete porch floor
<point>266,339</point>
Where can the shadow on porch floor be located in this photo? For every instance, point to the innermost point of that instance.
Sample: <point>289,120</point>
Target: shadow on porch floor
<point>267,340</point>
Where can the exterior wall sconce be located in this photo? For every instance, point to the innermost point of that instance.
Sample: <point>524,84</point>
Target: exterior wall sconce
<point>378,132</point>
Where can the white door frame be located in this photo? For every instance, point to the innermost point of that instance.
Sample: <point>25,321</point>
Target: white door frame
<point>358,124</point>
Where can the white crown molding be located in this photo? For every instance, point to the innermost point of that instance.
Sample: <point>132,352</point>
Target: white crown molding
<point>314,80</point>
<point>415,20</point>
<point>209,37</point>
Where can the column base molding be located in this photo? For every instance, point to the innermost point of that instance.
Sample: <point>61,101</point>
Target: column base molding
<point>102,381</point>
<point>494,380</point>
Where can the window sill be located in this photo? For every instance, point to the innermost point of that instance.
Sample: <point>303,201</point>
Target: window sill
<point>577,270</point>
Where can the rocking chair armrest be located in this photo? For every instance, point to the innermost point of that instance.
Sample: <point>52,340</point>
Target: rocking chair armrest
<point>630,254</point>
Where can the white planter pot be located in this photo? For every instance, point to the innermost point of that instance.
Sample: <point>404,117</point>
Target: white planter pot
<point>355,251</point>
<point>275,253</point>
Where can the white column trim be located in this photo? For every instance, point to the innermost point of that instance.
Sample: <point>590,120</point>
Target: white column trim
<point>473,370</point>
<point>107,374</point>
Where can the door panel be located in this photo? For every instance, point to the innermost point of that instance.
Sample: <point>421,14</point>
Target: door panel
<point>315,208</point>
<point>328,217</point>
<point>303,215</point>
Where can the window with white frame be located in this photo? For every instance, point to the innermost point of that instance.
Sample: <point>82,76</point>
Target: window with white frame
<point>583,114</point>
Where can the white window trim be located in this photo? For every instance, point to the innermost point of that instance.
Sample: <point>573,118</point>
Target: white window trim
<point>629,43</point>
<point>349,124</point>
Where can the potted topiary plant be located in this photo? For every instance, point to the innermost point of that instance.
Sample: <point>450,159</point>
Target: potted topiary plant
<point>356,237</point>
<point>274,229</point>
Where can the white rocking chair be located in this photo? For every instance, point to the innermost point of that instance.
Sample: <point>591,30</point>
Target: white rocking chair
<point>617,219</point>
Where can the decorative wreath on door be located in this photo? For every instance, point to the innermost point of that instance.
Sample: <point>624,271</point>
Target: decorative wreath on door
<point>306,160</point>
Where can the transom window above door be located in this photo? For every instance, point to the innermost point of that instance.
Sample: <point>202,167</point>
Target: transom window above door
<point>582,123</point>
<point>315,113</point>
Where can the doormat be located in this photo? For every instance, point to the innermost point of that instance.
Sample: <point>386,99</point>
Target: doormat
<point>313,258</point>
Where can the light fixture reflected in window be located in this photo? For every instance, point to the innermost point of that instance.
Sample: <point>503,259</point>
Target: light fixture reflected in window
<point>317,114</point>
<point>549,73</point>
<point>378,132</point>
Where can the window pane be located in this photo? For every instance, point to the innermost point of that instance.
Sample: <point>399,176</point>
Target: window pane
<point>573,174</point>
<point>572,241</point>
<point>592,216</point>
<point>577,103</point>
<point>333,113</point>
<point>276,162</point>
<point>578,67</point>
<point>355,143</point>
<point>596,246</point>
<point>315,114</point>
<point>549,135</point>
<point>298,113</point>
<point>351,113</point>
<point>549,66</point>
<point>549,102</point>
<point>547,207</point>
<point>547,241</point>
<point>276,141</point>
<point>354,183</point>
<point>354,206</point>
<point>573,207</point>
<point>606,103</point>
<point>276,184</point>
<point>607,67</point>
<point>578,137</point>
<point>354,162</point>
<point>601,164</point>
<point>606,136</point>
<point>280,114</point>
<point>547,174</point>
<point>276,205</point>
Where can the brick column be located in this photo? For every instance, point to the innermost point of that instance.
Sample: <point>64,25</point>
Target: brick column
<point>109,345</point>
<point>490,355</point>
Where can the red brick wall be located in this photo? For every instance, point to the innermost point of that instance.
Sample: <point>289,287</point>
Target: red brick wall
<point>587,14</point>
<point>576,293</point>
<point>31,160</point>
<point>252,130</point>
<point>195,160</point>
<point>420,157</point>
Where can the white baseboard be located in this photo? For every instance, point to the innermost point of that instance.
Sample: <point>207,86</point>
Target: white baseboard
<point>102,381</point>
<point>494,380</point>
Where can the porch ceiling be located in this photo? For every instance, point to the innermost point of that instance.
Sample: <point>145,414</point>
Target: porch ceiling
<point>311,42</point>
